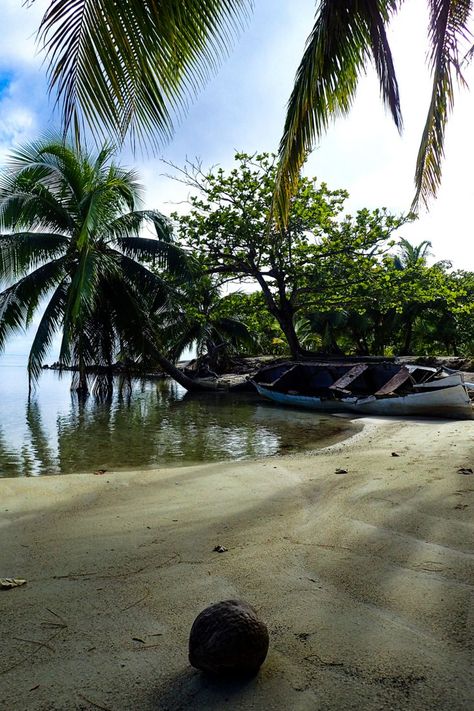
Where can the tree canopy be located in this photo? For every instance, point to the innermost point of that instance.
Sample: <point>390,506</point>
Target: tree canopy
<point>319,254</point>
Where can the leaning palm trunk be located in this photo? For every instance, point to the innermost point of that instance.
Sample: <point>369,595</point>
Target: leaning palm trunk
<point>190,384</point>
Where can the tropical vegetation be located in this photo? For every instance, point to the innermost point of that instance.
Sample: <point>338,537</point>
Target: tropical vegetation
<point>422,310</point>
<point>319,256</point>
<point>71,246</point>
<point>197,319</point>
<point>74,260</point>
<point>128,67</point>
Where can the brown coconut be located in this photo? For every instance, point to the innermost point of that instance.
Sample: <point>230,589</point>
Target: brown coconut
<point>227,638</point>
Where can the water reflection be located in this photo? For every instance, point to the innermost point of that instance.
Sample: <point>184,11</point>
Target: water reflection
<point>154,425</point>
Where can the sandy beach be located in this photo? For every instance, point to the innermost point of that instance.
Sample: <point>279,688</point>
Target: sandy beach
<point>365,578</point>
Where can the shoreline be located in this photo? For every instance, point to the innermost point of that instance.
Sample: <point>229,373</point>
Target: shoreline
<point>334,439</point>
<point>364,578</point>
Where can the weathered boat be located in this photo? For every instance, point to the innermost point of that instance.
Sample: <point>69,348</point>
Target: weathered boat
<point>366,388</point>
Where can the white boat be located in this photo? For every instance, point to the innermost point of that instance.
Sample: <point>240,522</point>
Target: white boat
<point>451,402</point>
<point>397,390</point>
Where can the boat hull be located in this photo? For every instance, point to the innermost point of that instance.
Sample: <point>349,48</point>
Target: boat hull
<point>451,402</point>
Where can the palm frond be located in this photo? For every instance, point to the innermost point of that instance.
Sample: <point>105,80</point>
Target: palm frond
<point>125,66</point>
<point>33,208</point>
<point>346,35</point>
<point>130,225</point>
<point>49,325</point>
<point>48,160</point>
<point>179,336</point>
<point>234,330</point>
<point>93,265</point>
<point>448,28</point>
<point>22,251</point>
<point>148,284</point>
<point>18,303</point>
<point>162,254</point>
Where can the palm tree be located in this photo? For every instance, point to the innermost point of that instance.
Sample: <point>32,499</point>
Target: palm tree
<point>411,255</point>
<point>409,258</point>
<point>71,233</point>
<point>196,319</point>
<point>127,66</point>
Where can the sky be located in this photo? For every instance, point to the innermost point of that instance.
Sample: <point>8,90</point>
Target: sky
<point>242,109</point>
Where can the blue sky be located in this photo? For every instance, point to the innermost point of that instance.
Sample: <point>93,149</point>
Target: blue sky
<point>242,108</point>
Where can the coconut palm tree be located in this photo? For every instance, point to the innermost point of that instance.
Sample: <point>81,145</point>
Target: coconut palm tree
<point>195,319</point>
<point>127,66</point>
<point>70,237</point>
<point>410,255</point>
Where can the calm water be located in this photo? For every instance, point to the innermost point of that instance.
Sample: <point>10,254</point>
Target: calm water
<point>158,425</point>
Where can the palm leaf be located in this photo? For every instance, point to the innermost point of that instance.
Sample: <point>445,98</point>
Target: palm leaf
<point>48,326</point>
<point>130,224</point>
<point>33,209</point>
<point>235,330</point>
<point>447,29</point>
<point>148,284</point>
<point>346,35</point>
<point>19,302</point>
<point>124,66</point>
<point>163,255</point>
<point>23,251</point>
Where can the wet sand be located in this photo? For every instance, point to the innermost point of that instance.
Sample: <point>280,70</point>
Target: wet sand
<point>365,579</point>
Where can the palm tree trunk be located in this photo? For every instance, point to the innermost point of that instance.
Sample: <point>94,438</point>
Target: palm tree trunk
<point>188,383</point>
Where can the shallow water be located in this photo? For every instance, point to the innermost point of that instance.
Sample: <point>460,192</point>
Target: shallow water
<point>157,425</point>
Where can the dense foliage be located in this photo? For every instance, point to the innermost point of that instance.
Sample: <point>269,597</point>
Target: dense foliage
<point>72,252</point>
<point>327,281</point>
<point>318,259</point>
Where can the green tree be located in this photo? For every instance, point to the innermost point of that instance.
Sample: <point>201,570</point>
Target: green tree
<point>71,237</point>
<point>405,307</point>
<point>250,308</point>
<point>318,254</point>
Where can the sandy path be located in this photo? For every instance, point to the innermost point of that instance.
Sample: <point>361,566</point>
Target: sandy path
<point>365,579</point>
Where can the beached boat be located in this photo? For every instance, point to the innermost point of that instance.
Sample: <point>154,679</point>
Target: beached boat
<point>366,388</point>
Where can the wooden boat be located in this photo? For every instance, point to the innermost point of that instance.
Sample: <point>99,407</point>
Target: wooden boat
<point>366,388</point>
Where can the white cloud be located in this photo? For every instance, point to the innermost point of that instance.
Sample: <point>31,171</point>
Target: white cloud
<point>19,26</point>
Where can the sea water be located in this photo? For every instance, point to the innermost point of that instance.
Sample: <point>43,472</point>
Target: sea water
<point>157,424</point>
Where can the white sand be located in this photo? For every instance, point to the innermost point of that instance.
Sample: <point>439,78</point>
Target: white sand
<point>365,579</point>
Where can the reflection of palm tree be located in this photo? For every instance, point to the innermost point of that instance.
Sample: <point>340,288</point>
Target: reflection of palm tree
<point>40,443</point>
<point>154,429</point>
<point>10,463</point>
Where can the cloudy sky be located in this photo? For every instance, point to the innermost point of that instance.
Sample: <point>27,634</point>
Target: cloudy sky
<point>242,108</point>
